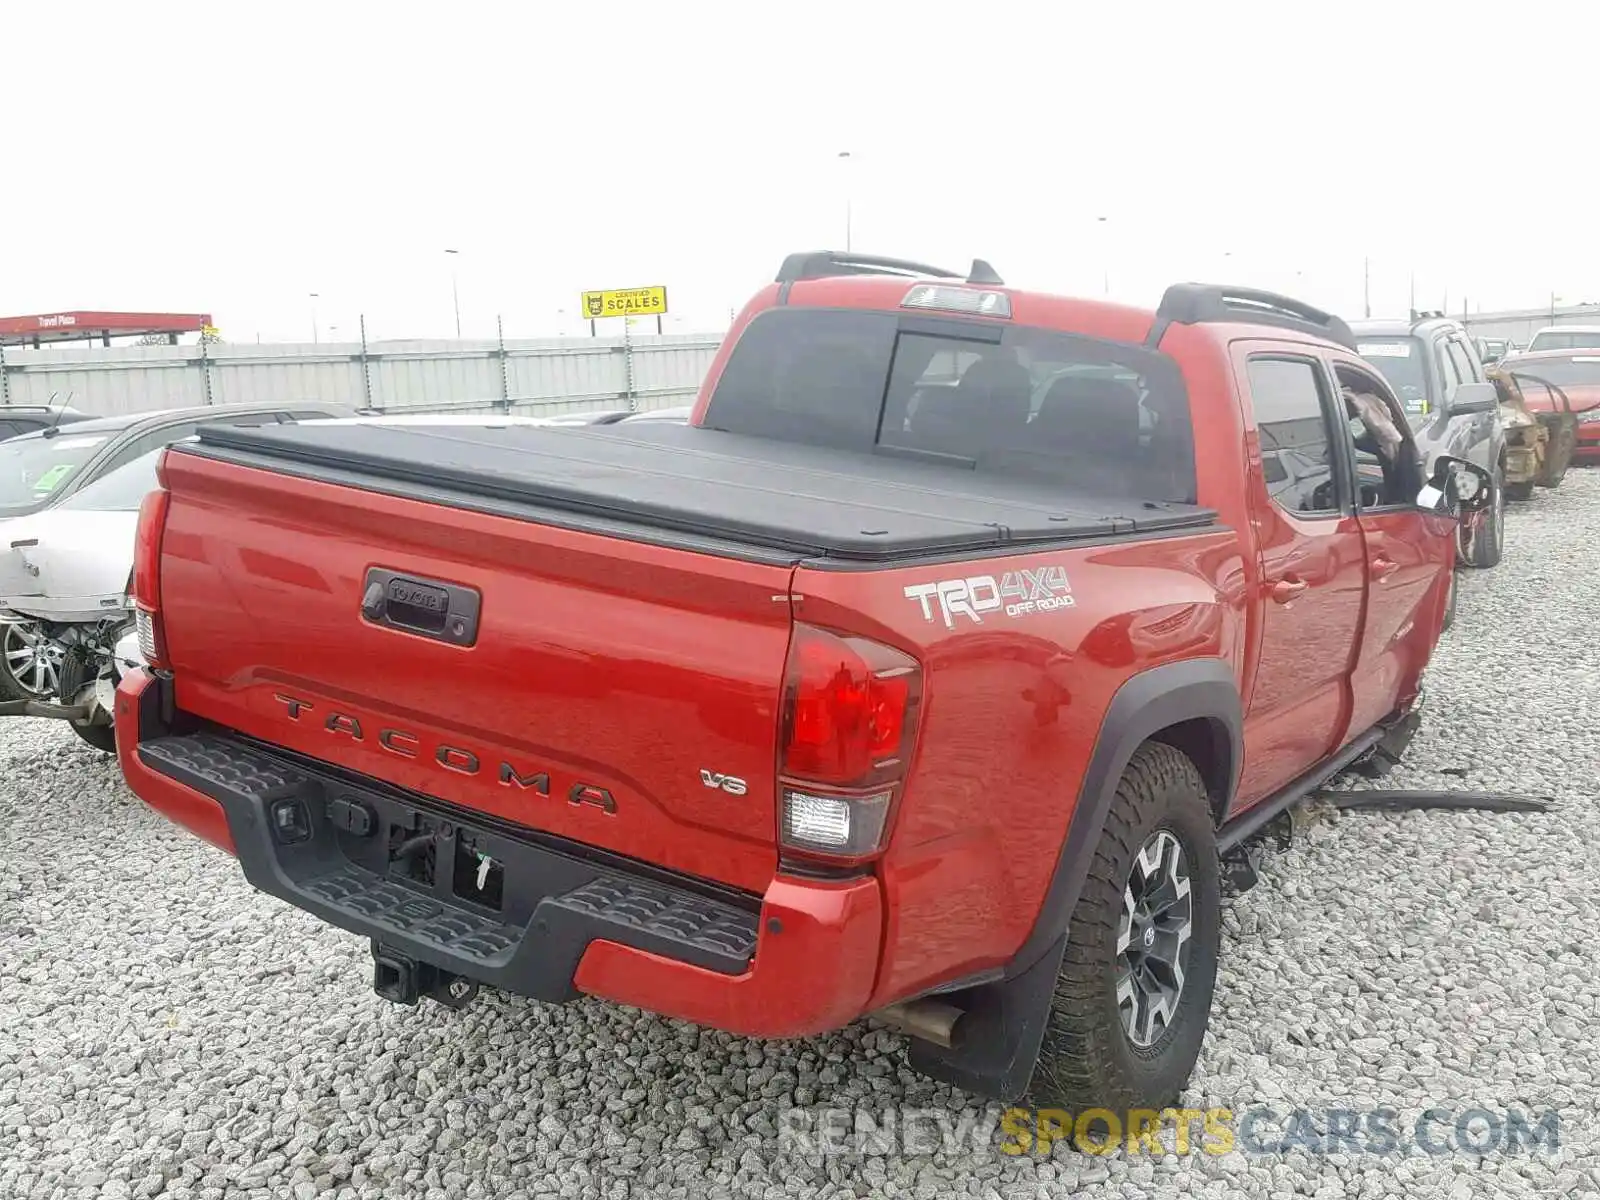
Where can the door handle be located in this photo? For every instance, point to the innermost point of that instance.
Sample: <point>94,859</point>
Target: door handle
<point>1382,567</point>
<point>1285,590</point>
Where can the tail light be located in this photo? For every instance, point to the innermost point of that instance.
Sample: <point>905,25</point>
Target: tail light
<point>849,715</point>
<point>147,576</point>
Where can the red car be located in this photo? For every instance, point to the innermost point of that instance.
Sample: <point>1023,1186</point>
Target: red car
<point>929,671</point>
<point>1544,377</point>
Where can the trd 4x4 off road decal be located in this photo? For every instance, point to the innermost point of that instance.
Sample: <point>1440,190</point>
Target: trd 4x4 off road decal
<point>1018,593</point>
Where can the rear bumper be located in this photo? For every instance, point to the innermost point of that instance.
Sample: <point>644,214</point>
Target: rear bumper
<point>547,918</point>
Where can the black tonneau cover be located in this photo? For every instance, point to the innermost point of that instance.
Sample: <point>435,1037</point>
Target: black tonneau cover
<point>760,492</point>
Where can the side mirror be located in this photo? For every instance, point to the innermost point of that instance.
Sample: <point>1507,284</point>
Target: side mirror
<point>1474,398</point>
<point>1456,486</point>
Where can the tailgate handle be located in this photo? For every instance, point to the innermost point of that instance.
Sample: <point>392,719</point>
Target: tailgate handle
<point>431,608</point>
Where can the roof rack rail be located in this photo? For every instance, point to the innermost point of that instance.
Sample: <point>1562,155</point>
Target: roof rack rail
<point>824,264</point>
<point>1202,303</point>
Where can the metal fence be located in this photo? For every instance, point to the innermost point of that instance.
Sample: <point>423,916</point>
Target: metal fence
<point>529,376</point>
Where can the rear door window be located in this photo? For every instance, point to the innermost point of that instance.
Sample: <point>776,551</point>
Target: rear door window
<point>1288,397</point>
<point>1465,365</point>
<point>1017,401</point>
<point>1450,376</point>
<point>121,490</point>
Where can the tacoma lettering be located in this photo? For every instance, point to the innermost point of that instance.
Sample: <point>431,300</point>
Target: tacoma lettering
<point>450,758</point>
<point>340,723</point>
<point>539,782</point>
<point>399,743</point>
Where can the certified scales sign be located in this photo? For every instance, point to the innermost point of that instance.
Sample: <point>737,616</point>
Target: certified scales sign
<point>625,302</point>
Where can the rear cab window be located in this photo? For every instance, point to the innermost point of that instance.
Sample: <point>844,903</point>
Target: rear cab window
<point>1093,415</point>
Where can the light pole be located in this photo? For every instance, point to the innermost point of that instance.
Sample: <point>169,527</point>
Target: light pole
<point>314,336</point>
<point>844,157</point>
<point>455,292</point>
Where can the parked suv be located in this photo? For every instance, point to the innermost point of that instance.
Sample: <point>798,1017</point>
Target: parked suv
<point>927,672</point>
<point>1452,408</point>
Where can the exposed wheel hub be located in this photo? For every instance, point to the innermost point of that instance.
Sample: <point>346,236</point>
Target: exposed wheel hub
<point>1153,941</point>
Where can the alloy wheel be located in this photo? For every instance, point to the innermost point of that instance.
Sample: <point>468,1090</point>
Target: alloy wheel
<point>1153,940</point>
<point>30,658</point>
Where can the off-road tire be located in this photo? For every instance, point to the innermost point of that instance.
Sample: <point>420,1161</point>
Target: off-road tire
<point>1484,546</point>
<point>101,737</point>
<point>1520,491</point>
<point>1087,1059</point>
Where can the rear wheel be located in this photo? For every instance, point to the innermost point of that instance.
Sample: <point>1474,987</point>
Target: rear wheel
<point>1133,996</point>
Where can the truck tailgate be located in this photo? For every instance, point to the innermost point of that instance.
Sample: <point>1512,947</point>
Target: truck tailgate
<point>609,691</point>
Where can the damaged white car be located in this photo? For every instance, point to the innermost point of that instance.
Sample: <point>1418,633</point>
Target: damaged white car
<point>64,579</point>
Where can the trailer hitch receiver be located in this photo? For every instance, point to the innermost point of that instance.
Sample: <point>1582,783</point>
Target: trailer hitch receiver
<point>403,980</point>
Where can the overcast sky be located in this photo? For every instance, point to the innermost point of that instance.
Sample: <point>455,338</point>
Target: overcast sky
<point>235,157</point>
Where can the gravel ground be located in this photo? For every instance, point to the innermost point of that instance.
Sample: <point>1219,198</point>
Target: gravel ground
<point>166,1031</point>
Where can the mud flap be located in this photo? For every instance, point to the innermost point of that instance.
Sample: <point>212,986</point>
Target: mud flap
<point>997,1041</point>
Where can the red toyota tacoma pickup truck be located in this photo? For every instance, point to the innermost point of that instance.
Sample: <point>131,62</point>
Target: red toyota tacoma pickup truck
<point>927,672</point>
